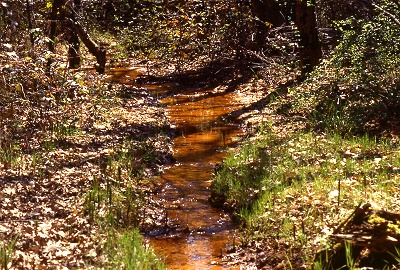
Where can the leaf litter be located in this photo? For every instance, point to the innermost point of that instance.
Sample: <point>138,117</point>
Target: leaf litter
<point>54,144</point>
<point>57,142</point>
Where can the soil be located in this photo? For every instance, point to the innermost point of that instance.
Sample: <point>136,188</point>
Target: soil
<point>43,189</point>
<point>42,206</point>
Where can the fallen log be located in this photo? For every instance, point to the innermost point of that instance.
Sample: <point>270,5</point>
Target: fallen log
<point>367,238</point>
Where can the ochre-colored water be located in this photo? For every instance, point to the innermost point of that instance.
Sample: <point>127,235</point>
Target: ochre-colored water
<point>197,234</point>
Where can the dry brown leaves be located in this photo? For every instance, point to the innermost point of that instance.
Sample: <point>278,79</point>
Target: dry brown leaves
<point>42,188</point>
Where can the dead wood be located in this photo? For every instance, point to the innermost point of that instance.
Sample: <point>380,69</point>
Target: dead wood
<point>369,238</point>
<point>98,51</point>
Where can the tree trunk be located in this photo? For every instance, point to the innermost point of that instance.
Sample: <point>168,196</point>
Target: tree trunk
<point>76,31</point>
<point>310,50</point>
<point>268,14</point>
<point>54,17</point>
<point>98,51</point>
<point>74,57</point>
<point>30,27</point>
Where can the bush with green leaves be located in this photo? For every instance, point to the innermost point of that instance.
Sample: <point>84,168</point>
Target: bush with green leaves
<point>366,86</point>
<point>179,31</point>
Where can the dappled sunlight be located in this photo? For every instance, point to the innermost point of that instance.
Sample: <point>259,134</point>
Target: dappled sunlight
<point>198,233</point>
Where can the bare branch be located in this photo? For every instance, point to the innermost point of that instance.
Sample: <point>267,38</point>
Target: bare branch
<point>394,18</point>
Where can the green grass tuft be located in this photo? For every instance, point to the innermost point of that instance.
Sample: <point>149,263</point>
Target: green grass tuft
<point>127,251</point>
<point>6,252</point>
<point>295,188</point>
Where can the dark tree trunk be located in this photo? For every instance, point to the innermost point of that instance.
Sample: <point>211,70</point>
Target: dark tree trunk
<point>75,32</point>
<point>98,51</point>
<point>30,27</point>
<point>54,17</point>
<point>310,50</point>
<point>74,57</point>
<point>268,14</point>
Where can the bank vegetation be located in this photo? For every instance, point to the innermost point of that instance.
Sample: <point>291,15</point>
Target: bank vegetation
<point>78,151</point>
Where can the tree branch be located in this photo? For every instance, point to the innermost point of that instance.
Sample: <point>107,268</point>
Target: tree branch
<point>394,18</point>
<point>98,51</point>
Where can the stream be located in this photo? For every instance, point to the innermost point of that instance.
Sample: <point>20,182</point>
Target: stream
<point>197,234</point>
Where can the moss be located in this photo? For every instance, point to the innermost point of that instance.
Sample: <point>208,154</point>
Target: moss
<point>393,229</point>
<point>390,227</point>
<point>376,220</point>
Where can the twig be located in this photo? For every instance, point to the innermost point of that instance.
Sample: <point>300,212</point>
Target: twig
<point>347,220</point>
<point>393,17</point>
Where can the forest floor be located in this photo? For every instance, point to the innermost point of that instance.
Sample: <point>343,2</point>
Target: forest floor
<point>73,151</point>
<point>61,143</point>
<point>57,146</point>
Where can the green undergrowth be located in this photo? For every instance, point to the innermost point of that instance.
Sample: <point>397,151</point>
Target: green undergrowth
<point>296,189</point>
<point>116,203</point>
<point>127,251</point>
<point>6,252</point>
<point>116,198</point>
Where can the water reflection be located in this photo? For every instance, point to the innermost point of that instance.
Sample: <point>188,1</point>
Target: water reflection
<point>197,234</point>
<point>203,232</point>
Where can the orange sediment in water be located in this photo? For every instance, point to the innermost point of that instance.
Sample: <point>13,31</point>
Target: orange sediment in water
<point>198,234</point>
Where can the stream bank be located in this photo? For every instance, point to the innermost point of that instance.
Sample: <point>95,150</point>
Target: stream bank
<point>206,121</point>
<point>190,233</point>
<point>79,137</point>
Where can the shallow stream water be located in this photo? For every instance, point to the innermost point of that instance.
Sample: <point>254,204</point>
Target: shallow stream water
<point>198,234</point>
